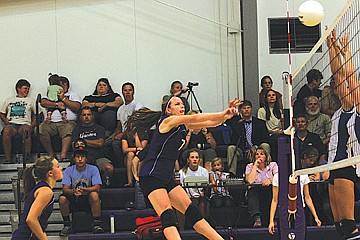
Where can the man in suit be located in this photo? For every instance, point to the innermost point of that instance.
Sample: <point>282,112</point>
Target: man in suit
<point>248,133</point>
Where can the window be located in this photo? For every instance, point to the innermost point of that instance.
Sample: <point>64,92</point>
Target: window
<point>302,38</point>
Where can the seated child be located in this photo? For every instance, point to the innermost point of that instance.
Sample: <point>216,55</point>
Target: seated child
<point>220,196</point>
<point>52,94</point>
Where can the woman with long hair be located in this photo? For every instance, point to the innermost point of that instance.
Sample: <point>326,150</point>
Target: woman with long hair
<point>39,180</point>
<point>267,83</point>
<point>157,170</point>
<point>272,114</point>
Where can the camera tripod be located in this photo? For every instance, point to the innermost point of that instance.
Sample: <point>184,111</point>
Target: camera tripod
<point>191,94</point>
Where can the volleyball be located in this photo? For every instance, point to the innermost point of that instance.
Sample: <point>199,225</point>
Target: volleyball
<point>311,13</point>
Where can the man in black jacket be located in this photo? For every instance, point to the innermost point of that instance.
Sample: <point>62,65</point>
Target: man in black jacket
<point>248,133</point>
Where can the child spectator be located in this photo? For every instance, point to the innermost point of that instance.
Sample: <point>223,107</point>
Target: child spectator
<point>132,143</point>
<point>193,168</point>
<point>52,94</point>
<point>220,196</point>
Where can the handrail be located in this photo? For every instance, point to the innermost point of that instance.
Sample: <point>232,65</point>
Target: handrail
<point>38,100</point>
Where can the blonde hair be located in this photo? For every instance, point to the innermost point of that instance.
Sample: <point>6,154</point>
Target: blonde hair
<point>267,154</point>
<point>217,159</point>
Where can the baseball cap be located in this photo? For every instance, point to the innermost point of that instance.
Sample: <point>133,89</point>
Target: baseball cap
<point>80,150</point>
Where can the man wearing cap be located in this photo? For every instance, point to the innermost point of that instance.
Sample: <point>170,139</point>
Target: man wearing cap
<point>80,185</point>
<point>94,135</point>
<point>248,133</point>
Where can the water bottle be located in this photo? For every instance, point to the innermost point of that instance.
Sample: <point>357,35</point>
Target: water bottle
<point>112,223</point>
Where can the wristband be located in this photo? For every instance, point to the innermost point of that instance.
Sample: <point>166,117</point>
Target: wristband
<point>63,99</point>
<point>56,104</point>
<point>74,190</point>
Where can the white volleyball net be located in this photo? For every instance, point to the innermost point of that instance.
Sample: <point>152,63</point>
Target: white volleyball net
<point>346,23</point>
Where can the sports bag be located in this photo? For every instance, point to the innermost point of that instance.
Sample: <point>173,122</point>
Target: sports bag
<point>148,227</point>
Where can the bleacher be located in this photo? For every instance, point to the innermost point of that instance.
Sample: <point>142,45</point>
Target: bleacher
<point>230,222</point>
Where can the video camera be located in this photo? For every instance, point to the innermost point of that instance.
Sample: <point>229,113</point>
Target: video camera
<point>192,84</point>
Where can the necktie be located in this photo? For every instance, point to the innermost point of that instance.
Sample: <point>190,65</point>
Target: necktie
<point>248,134</point>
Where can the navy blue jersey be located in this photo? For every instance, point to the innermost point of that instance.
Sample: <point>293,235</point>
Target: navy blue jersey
<point>162,153</point>
<point>23,231</point>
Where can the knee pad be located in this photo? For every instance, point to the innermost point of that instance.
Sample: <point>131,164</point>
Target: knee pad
<point>193,214</point>
<point>347,226</point>
<point>168,219</point>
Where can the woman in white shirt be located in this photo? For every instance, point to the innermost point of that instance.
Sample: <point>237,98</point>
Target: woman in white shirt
<point>305,195</point>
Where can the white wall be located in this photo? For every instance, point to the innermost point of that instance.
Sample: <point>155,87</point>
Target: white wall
<point>141,41</point>
<point>275,64</point>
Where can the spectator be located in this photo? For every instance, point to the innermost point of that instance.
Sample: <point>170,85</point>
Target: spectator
<point>16,113</point>
<point>303,138</point>
<point>72,103</point>
<point>220,196</point>
<point>134,140</point>
<point>94,135</point>
<point>112,146</point>
<point>80,185</point>
<point>248,133</point>
<point>319,123</point>
<point>319,192</point>
<point>305,195</point>
<point>104,103</point>
<point>52,94</point>
<point>330,101</point>
<point>176,90</point>
<point>260,171</point>
<point>313,77</point>
<point>193,168</point>
<point>271,113</point>
<point>266,84</point>
<point>203,140</point>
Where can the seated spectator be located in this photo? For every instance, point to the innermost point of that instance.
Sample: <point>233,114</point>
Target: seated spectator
<point>176,90</point>
<point>52,93</point>
<point>267,84</point>
<point>94,135</point>
<point>203,140</point>
<point>260,171</point>
<point>104,103</point>
<point>72,102</point>
<point>330,101</point>
<point>17,115</point>
<point>319,192</point>
<point>305,195</point>
<point>80,185</point>
<point>220,196</point>
<point>132,143</point>
<point>248,133</point>
<point>319,123</point>
<point>193,168</point>
<point>313,77</point>
<point>272,114</point>
<point>112,147</point>
<point>304,139</point>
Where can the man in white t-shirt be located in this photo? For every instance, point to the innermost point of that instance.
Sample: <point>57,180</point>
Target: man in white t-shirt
<point>112,146</point>
<point>71,102</point>
<point>17,115</point>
